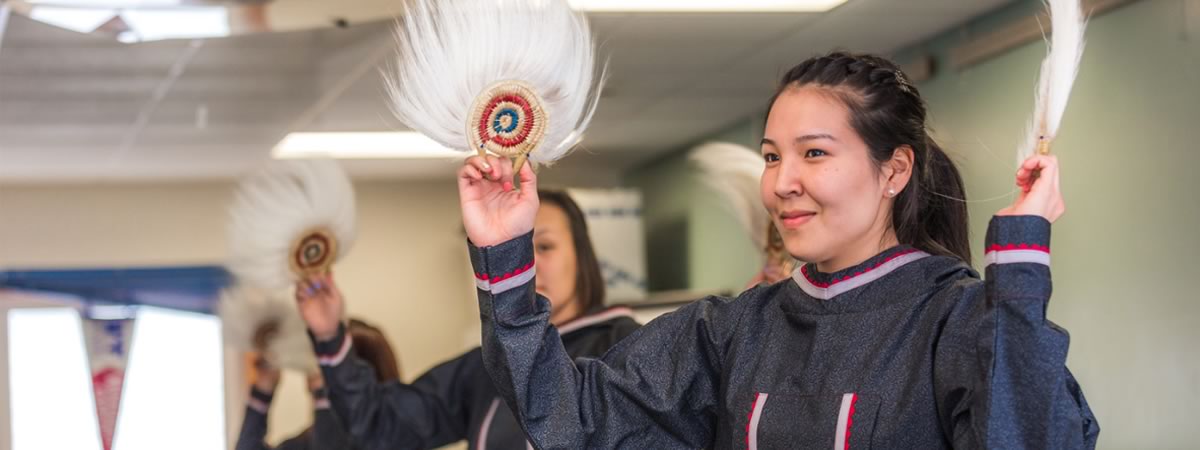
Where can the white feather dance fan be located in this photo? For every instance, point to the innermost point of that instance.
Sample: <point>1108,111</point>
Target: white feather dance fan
<point>734,172</point>
<point>292,219</point>
<point>243,310</point>
<point>512,77</point>
<point>1057,76</point>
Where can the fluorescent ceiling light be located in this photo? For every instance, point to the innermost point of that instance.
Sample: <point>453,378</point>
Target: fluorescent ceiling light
<point>80,20</point>
<point>106,3</point>
<point>177,23</point>
<point>365,145</point>
<point>127,37</point>
<point>705,5</point>
<point>160,20</point>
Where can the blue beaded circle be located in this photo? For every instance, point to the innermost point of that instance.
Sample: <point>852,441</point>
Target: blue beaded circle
<point>498,124</point>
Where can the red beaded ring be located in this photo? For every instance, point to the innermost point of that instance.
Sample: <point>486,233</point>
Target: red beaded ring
<point>507,119</point>
<point>313,253</point>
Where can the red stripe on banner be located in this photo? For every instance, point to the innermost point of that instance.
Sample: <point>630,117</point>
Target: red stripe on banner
<point>106,385</point>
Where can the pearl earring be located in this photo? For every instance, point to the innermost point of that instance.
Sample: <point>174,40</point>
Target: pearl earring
<point>891,192</point>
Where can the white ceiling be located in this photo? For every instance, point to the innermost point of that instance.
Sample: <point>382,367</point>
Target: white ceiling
<point>78,108</point>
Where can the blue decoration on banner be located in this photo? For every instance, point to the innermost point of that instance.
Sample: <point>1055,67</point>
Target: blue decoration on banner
<point>113,329</point>
<point>194,289</point>
<point>613,212</point>
<point>614,276</point>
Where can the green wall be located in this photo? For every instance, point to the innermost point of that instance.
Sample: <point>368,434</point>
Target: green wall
<point>694,242</point>
<point>1128,245</point>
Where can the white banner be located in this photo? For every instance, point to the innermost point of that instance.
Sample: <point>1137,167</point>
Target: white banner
<point>615,224</point>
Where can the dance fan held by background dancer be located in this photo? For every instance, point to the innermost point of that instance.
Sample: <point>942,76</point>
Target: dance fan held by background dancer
<point>457,400</point>
<point>289,221</point>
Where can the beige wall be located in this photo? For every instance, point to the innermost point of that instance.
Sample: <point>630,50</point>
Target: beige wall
<point>407,273</point>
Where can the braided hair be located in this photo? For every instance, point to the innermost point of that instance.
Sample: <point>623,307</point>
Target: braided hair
<point>887,112</point>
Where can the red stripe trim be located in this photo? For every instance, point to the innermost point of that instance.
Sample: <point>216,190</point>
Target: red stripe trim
<point>1001,248</point>
<point>804,270</point>
<point>750,418</point>
<point>498,278</point>
<point>491,109</point>
<point>850,420</point>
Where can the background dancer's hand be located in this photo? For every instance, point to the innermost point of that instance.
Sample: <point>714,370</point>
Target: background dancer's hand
<point>1040,194</point>
<point>263,375</point>
<point>493,210</point>
<point>321,305</point>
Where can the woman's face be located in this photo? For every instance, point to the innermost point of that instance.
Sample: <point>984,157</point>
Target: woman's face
<point>555,261</point>
<point>827,197</point>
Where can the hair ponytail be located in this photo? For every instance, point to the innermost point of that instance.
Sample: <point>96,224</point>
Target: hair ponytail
<point>887,112</point>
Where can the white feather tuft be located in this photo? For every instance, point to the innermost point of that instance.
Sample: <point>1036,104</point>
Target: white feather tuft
<point>735,172</point>
<point>270,211</point>
<point>451,50</point>
<point>275,206</point>
<point>243,310</point>
<point>1057,75</point>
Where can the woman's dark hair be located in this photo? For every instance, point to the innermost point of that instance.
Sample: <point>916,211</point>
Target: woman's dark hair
<point>370,344</point>
<point>887,111</point>
<point>589,283</point>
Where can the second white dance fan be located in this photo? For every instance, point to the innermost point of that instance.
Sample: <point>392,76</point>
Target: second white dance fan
<point>735,173</point>
<point>292,219</point>
<point>288,221</point>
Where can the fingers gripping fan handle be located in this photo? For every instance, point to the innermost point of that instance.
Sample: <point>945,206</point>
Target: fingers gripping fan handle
<point>289,220</point>
<point>507,119</point>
